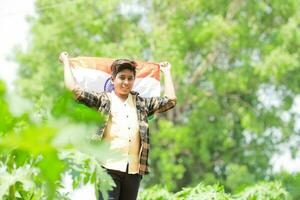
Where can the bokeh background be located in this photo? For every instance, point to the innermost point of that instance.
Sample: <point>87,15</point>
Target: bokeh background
<point>236,70</point>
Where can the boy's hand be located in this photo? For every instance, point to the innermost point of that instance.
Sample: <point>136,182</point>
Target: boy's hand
<point>63,57</point>
<point>165,66</point>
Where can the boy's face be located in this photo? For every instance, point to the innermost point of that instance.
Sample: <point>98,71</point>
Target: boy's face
<point>123,82</point>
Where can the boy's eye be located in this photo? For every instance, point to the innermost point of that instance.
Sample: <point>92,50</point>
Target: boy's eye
<point>123,78</point>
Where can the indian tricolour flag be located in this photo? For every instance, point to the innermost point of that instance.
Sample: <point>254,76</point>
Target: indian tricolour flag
<point>94,74</point>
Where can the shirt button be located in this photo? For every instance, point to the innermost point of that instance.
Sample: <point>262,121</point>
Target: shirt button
<point>129,140</point>
<point>128,128</point>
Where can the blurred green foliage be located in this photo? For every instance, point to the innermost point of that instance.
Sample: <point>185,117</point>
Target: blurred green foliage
<point>291,181</point>
<point>270,191</point>
<point>226,55</point>
<point>38,151</point>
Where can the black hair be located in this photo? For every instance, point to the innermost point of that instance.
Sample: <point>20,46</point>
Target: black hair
<point>122,64</point>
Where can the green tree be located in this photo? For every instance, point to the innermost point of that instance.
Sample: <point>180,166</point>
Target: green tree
<point>226,56</point>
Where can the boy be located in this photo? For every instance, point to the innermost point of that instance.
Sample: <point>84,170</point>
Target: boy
<point>126,126</point>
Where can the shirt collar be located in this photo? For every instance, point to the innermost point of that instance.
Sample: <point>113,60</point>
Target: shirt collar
<point>126,101</point>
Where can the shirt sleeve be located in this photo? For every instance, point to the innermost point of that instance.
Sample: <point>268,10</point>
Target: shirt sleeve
<point>91,99</point>
<point>159,104</point>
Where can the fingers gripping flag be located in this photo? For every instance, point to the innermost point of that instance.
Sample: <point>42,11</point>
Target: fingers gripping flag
<point>94,74</point>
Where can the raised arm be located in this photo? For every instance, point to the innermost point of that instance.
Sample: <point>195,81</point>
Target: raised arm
<point>96,100</point>
<point>165,67</point>
<point>69,79</point>
<point>163,104</point>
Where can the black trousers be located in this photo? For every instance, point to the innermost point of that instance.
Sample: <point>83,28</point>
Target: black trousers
<point>127,185</point>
